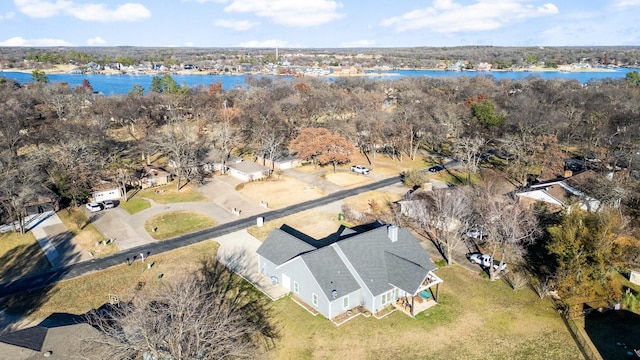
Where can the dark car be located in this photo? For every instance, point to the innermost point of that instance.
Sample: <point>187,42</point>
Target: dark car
<point>436,168</point>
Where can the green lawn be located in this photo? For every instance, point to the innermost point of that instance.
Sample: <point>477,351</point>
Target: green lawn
<point>20,255</point>
<point>168,194</point>
<point>174,223</point>
<point>476,319</point>
<point>135,205</point>
<point>460,178</point>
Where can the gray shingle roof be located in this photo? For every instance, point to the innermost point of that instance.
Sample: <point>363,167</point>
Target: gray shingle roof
<point>378,261</point>
<point>366,252</point>
<point>248,167</point>
<point>330,272</point>
<point>404,274</point>
<point>280,247</point>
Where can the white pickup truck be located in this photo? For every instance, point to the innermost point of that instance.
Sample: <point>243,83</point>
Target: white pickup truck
<point>360,169</point>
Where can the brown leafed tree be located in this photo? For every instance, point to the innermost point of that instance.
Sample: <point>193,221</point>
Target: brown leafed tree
<point>322,147</point>
<point>211,314</point>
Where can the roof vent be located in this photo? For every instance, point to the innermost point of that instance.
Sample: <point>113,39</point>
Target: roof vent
<point>392,232</point>
<point>334,293</point>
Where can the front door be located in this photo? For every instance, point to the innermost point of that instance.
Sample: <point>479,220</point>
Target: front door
<point>286,282</point>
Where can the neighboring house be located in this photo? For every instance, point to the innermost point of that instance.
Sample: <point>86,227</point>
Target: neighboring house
<point>248,170</point>
<point>483,66</point>
<point>106,191</point>
<point>634,276</point>
<point>151,176</point>
<point>560,194</point>
<point>374,266</point>
<point>281,162</point>
<point>59,342</point>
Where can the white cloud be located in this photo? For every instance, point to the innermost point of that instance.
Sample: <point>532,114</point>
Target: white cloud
<point>42,9</point>
<point>7,16</point>
<point>265,44</point>
<point>238,25</point>
<point>96,41</point>
<point>86,12</point>
<point>627,3</point>
<point>19,41</point>
<point>298,13</point>
<point>206,1</point>
<point>446,16</point>
<point>358,44</point>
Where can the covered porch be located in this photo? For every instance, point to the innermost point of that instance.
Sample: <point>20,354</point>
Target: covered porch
<point>425,297</point>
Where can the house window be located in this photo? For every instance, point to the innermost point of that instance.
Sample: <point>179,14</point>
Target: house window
<point>386,298</point>
<point>345,302</point>
<point>296,287</point>
<point>314,299</point>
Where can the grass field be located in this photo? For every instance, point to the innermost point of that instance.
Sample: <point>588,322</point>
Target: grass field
<point>135,205</point>
<point>323,224</point>
<point>372,201</point>
<point>175,223</point>
<point>347,179</point>
<point>476,319</point>
<point>87,292</point>
<point>20,255</point>
<point>85,233</point>
<point>168,194</point>
<point>280,193</point>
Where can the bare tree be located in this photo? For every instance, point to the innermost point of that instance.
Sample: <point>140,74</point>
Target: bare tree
<point>508,227</point>
<point>211,314</point>
<point>185,147</point>
<point>445,215</point>
<point>469,149</point>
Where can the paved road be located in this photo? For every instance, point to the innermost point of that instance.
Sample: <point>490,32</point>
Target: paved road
<point>53,276</point>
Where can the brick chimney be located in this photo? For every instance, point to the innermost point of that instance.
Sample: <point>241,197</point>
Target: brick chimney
<point>568,174</point>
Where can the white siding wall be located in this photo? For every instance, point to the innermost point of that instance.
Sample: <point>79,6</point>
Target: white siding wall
<point>111,194</point>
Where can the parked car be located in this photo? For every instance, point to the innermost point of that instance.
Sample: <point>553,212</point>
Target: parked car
<point>360,169</point>
<point>476,233</point>
<point>485,261</point>
<point>108,204</point>
<point>436,168</point>
<point>94,206</point>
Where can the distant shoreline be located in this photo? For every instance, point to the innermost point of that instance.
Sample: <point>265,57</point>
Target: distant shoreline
<point>66,69</point>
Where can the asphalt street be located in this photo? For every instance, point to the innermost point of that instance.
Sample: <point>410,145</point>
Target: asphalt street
<point>53,276</point>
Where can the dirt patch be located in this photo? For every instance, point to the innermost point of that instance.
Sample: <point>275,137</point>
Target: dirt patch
<point>280,193</point>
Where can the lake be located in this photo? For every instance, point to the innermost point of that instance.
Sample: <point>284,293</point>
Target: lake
<point>122,84</point>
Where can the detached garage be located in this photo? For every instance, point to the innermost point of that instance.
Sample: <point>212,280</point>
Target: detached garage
<point>107,191</point>
<point>248,171</point>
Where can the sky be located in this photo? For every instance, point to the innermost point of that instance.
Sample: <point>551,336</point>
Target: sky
<point>319,23</point>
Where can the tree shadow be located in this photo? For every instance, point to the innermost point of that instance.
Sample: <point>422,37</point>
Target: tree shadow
<point>17,307</point>
<point>615,333</point>
<point>28,280</point>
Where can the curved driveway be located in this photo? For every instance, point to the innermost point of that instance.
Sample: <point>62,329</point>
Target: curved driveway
<point>71,271</point>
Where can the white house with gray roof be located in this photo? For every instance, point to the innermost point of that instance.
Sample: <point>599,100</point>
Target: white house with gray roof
<point>373,266</point>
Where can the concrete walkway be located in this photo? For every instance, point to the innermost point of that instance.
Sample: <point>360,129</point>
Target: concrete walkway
<point>237,252</point>
<point>56,241</point>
